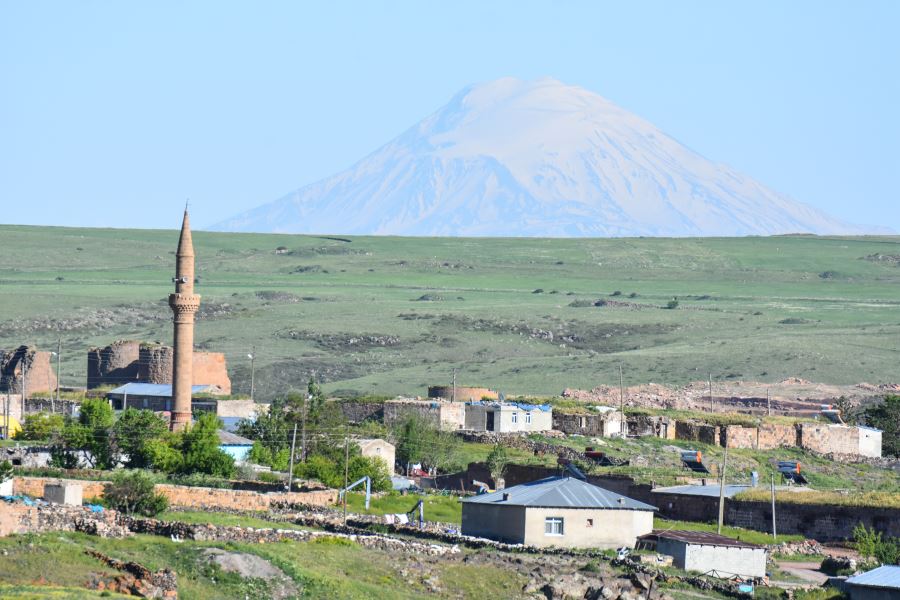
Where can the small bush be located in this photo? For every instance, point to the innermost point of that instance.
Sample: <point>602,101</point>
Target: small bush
<point>538,291</point>
<point>616,293</point>
<point>133,492</point>
<point>672,304</point>
<point>6,471</point>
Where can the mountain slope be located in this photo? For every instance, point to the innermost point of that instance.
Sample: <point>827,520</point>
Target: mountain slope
<point>516,158</point>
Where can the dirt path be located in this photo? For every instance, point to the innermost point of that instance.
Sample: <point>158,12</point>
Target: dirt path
<point>807,571</point>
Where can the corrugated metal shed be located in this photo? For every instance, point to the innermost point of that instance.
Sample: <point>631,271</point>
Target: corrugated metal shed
<point>885,576</point>
<point>559,492</point>
<point>702,538</point>
<point>161,390</point>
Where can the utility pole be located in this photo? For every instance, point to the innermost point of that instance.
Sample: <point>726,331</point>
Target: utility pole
<point>768,403</point>
<point>303,434</point>
<point>346,469</point>
<point>49,390</point>
<point>710,393</point>
<point>6,434</point>
<point>58,361</point>
<point>24,384</point>
<point>774,530</point>
<point>453,394</point>
<point>624,425</point>
<point>722,491</point>
<point>252,357</point>
<point>293,445</point>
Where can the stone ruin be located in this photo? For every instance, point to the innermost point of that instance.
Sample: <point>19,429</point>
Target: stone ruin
<point>125,361</point>
<point>26,366</point>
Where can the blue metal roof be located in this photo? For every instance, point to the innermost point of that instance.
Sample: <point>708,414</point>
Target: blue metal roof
<point>559,492</point>
<point>885,576</point>
<point>162,390</point>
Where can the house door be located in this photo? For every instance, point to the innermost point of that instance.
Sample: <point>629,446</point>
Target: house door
<point>490,422</point>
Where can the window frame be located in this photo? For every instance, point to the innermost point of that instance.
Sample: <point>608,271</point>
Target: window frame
<point>552,523</point>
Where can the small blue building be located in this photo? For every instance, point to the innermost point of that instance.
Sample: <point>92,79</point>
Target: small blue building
<point>234,445</point>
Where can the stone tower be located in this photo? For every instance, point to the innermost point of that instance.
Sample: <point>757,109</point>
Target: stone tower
<point>184,303</point>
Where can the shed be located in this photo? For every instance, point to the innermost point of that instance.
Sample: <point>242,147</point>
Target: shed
<point>157,396</point>
<point>709,553</point>
<point>234,445</point>
<point>557,511</point>
<point>882,583</point>
<point>505,417</point>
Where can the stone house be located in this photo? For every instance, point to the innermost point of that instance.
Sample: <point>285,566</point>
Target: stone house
<point>704,552</point>
<point>606,422</point>
<point>557,511</point>
<point>449,416</point>
<point>508,417</point>
<point>378,448</point>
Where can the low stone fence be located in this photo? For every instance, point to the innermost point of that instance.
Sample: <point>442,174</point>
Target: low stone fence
<point>17,517</point>
<point>191,497</point>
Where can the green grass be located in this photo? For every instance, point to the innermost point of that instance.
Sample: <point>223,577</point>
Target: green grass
<point>43,592</point>
<point>443,509</point>
<point>326,568</point>
<point>735,295</point>
<point>217,518</point>
<point>745,535</point>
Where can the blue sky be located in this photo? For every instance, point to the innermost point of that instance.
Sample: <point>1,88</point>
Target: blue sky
<point>112,113</point>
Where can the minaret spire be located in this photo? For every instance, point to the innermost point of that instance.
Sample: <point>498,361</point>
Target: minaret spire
<point>184,303</point>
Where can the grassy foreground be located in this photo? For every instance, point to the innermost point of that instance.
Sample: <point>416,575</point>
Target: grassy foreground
<point>392,315</point>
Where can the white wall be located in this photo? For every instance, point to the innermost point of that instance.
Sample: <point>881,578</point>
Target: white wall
<point>747,562</point>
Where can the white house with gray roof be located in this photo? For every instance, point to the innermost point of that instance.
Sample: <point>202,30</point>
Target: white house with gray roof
<point>557,511</point>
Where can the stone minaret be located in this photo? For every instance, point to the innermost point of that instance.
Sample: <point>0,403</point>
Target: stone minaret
<point>184,303</point>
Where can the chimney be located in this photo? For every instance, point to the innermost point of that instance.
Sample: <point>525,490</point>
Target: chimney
<point>505,496</point>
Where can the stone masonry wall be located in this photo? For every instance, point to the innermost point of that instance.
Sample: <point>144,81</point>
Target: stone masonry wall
<point>463,394</point>
<point>209,368</point>
<point>765,437</point>
<point>357,412</point>
<point>116,364</point>
<point>697,432</point>
<point>192,497</point>
<point>395,411</point>
<point>29,367</point>
<point>826,439</point>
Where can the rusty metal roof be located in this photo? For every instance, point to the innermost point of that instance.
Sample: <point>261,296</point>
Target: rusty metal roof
<point>559,492</point>
<point>702,538</point>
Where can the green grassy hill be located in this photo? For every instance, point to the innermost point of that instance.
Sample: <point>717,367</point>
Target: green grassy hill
<point>390,315</point>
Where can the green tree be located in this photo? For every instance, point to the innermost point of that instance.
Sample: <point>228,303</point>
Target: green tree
<point>134,431</point>
<point>41,427</point>
<point>6,471</point>
<point>94,430</point>
<point>419,441</point>
<point>199,447</point>
<point>134,492</point>
<point>886,417</point>
<point>497,461</point>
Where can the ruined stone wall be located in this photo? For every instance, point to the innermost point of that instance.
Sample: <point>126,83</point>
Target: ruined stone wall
<point>116,364</point>
<point>19,518</point>
<point>453,415</point>
<point>463,394</point>
<point>825,523</point>
<point>242,409</point>
<point>765,437</point>
<point>697,432</point>
<point>191,497</point>
<point>396,411</point>
<point>357,412</point>
<point>29,367</point>
<point>651,426</point>
<point>209,368</point>
<point>580,424</point>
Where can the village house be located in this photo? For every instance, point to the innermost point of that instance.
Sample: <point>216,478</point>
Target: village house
<point>508,417</point>
<point>378,448</point>
<point>235,446</point>
<point>603,421</point>
<point>708,553</point>
<point>449,416</point>
<point>557,511</point>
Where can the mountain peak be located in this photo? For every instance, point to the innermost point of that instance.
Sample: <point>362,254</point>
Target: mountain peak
<point>535,158</point>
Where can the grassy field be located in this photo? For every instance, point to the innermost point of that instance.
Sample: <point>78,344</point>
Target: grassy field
<point>327,568</point>
<point>739,533</point>
<point>443,509</point>
<point>392,315</point>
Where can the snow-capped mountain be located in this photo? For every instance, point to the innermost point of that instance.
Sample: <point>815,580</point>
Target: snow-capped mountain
<point>538,158</point>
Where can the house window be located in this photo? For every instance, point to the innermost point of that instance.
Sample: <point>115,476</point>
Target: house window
<point>528,417</point>
<point>515,417</point>
<point>553,526</point>
<point>590,522</point>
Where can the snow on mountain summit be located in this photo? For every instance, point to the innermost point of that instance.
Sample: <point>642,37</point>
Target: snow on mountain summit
<point>539,158</point>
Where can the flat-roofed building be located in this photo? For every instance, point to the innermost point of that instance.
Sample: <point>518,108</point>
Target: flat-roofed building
<point>708,553</point>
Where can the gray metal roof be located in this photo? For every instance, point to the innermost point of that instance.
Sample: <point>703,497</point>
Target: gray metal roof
<point>226,438</point>
<point>162,390</point>
<point>559,492</point>
<point>885,576</point>
<point>702,490</point>
<point>702,538</point>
